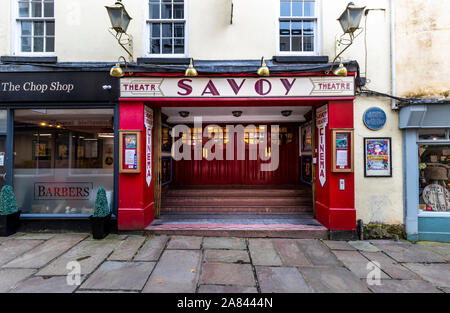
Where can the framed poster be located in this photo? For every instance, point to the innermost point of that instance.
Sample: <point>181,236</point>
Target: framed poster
<point>129,151</point>
<point>306,139</point>
<point>342,150</point>
<point>41,150</point>
<point>377,157</point>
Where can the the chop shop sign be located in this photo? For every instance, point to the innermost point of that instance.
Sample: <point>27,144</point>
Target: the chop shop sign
<point>236,87</point>
<point>321,123</point>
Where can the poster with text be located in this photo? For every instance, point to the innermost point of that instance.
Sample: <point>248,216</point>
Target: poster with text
<point>377,157</point>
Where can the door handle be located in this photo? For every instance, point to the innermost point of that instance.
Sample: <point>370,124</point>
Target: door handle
<point>3,176</point>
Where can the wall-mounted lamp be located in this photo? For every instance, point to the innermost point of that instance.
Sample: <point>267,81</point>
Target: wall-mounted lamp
<point>263,70</point>
<point>120,20</point>
<point>349,20</point>
<point>286,113</point>
<point>117,71</point>
<point>184,114</point>
<point>191,71</point>
<point>236,113</point>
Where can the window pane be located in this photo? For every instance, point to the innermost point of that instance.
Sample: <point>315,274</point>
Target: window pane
<point>154,11</point>
<point>178,11</point>
<point>26,28</point>
<point>24,9</point>
<point>26,44</point>
<point>285,8</point>
<point>167,46</point>
<point>432,134</point>
<point>50,28</point>
<point>49,9</point>
<point>38,28</point>
<point>3,119</point>
<point>309,8</point>
<point>155,46</point>
<point>36,9</point>
<point>308,28</point>
<point>155,30</point>
<point>297,8</point>
<point>179,30</point>
<point>285,44</point>
<point>50,44</point>
<point>179,46</point>
<point>297,43</point>
<point>166,10</point>
<point>308,43</point>
<point>167,29</point>
<point>285,28</point>
<point>296,28</point>
<point>38,44</point>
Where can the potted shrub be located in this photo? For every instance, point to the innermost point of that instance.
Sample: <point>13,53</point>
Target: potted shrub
<point>100,219</point>
<point>9,213</point>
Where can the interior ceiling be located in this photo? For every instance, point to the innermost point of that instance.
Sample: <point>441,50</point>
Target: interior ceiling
<point>224,114</point>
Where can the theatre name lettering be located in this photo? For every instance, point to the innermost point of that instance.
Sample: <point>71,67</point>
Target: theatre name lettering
<point>234,87</point>
<point>62,191</point>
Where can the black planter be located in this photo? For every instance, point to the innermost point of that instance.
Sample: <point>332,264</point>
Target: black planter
<point>9,224</point>
<point>100,226</point>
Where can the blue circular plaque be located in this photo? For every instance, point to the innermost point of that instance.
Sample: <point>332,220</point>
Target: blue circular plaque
<point>374,118</point>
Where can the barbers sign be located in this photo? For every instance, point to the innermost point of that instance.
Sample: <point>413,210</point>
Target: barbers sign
<point>236,87</point>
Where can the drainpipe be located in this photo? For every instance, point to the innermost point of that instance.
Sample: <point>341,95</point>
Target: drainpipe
<point>392,47</point>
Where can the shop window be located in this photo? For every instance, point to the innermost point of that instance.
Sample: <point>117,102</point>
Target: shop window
<point>35,26</point>
<point>434,167</point>
<point>433,134</point>
<point>3,121</point>
<point>298,26</point>
<point>61,158</point>
<point>166,25</point>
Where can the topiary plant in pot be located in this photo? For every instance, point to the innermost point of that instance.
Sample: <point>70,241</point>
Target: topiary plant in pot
<point>9,213</point>
<point>100,219</point>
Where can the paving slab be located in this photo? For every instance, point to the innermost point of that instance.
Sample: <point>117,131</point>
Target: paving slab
<point>152,249</point>
<point>290,253</point>
<point>363,246</point>
<point>41,284</point>
<point>226,256</point>
<point>227,274</point>
<point>446,290</point>
<point>226,289</point>
<point>177,271</point>
<point>281,280</point>
<point>317,253</point>
<point>224,243</point>
<point>119,276</point>
<point>44,253</point>
<point>442,248</point>
<point>10,277</point>
<point>111,236</point>
<point>436,274</point>
<point>357,263</point>
<point>404,286</point>
<point>37,236</point>
<point>127,248</point>
<point>263,252</point>
<point>405,252</point>
<point>338,245</point>
<point>89,253</point>
<point>12,249</point>
<point>390,266</point>
<point>185,242</point>
<point>333,279</point>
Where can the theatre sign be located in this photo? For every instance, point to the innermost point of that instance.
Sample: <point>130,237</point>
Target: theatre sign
<point>237,87</point>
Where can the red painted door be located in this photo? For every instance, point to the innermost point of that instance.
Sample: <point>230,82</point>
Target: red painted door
<point>243,172</point>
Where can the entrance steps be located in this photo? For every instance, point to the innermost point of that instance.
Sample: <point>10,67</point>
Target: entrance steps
<point>237,199</point>
<point>279,225</point>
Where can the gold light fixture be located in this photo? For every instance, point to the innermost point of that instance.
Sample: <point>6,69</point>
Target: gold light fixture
<point>263,70</point>
<point>341,70</point>
<point>191,71</point>
<point>120,20</point>
<point>236,113</point>
<point>117,71</point>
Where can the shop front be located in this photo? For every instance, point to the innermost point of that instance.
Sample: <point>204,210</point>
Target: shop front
<point>188,139</point>
<point>426,152</point>
<point>58,141</point>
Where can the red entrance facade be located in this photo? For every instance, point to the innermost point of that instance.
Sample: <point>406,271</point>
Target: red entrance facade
<point>334,199</point>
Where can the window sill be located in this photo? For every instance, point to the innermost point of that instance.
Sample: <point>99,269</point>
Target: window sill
<point>307,59</point>
<point>433,214</point>
<point>29,59</point>
<point>164,60</point>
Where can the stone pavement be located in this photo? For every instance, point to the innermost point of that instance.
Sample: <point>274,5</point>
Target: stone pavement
<point>42,262</point>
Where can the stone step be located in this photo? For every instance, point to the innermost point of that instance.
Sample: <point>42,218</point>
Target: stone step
<point>236,209</point>
<point>235,201</point>
<point>235,193</point>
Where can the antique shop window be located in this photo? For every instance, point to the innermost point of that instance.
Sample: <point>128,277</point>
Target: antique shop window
<point>298,26</point>
<point>35,26</point>
<point>434,167</point>
<point>61,158</point>
<point>166,25</point>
